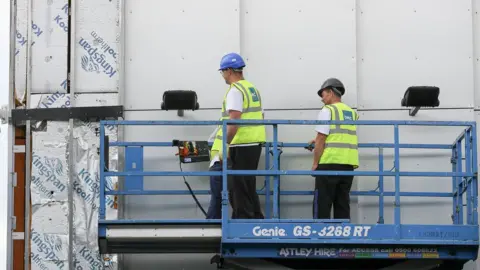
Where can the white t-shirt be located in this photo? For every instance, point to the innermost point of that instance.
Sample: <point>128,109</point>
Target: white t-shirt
<point>234,101</point>
<point>323,115</point>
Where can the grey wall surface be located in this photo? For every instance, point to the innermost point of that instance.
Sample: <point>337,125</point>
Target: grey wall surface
<point>377,48</point>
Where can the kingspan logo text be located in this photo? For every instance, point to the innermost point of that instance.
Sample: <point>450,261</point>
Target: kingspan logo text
<point>60,20</point>
<point>94,60</point>
<point>87,197</point>
<point>92,258</point>
<point>47,245</point>
<point>103,44</point>
<point>57,100</point>
<point>51,169</point>
<point>22,40</point>
<point>36,180</point>
<point>52,100</point>
<point>94,186</point>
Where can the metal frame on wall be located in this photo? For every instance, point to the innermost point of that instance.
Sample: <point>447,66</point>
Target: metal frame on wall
<point>11,135</point>
<point>121,130</point>
<point>28,142</point>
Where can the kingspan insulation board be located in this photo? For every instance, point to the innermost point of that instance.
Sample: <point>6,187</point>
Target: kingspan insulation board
<point>95,39</point>
<point>63,158</point>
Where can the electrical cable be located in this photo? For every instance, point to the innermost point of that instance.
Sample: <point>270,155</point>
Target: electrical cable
<point>191,191</point>
<point>193,194</point>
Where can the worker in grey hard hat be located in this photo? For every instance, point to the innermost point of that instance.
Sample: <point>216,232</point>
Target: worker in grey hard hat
<point>332,84</point>
<point>336,149</point>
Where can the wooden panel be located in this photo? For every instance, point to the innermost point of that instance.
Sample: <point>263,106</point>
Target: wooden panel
<point>19,202</point>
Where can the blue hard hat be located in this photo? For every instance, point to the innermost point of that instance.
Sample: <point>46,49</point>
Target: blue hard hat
<point>231,60</point>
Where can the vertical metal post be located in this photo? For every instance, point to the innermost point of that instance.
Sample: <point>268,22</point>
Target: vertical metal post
<point>268,210</point>
<point>28,137</point>
<point>71,177</point>
<point>475,172</point>
<point>458,180</point>
<point>224,181</point>
<point>276,182</point>
<point>468,169</point>
<point>101,210</point>
<point>397,214</point>
<point>12,10</point>
<point>71,149</point>
<point>279,179</point>
<point>454,185</point>
<point>120,128</point>
<point>380,186</point>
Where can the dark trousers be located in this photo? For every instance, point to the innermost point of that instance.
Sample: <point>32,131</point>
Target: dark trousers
<point>243,189</point>
<point>332,190</point>
<point>215,207</point>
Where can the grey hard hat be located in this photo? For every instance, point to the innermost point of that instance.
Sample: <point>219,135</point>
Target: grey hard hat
<point>334,84</point>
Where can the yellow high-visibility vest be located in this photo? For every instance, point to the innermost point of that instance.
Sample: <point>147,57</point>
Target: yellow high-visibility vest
<point>341,145</point>
<point>252,109</point>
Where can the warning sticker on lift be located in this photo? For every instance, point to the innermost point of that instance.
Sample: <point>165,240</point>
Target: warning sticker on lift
<point>309,231</point>
<point>359,252</point>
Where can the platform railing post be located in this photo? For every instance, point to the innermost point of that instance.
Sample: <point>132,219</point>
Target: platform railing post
<point>380,187</point>
<point>458,180</point>
<point>224,181</point>
<point>397,213</point>
<point>454,186</point>
<point>475,172</point>
<point>268,210</point>
<point>101,211</point>
<point>276,182</point>
<point>468,169</point>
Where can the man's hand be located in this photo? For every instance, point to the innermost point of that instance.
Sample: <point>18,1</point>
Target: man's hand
<point>311,145</point>
<point>314,167</point>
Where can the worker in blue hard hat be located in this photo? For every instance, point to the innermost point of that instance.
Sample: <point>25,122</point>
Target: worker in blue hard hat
<point>336,149</point>
<point>242,100</point>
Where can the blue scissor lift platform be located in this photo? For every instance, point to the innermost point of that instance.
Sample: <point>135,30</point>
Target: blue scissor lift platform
<point>303,243</point>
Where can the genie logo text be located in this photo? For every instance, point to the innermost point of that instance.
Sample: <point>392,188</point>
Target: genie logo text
<point>95,58</point>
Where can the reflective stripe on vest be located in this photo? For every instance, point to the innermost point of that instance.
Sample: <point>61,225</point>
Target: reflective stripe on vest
<point>252,109</point>
<point>341,145</point>
<point>247,108</point>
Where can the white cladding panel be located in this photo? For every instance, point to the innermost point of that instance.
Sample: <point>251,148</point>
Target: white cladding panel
<point>476,43</point>
<point>377,48</point>
<point>177,45</point>
<point>49,52</point>
<point>291,47</point>
<point>405,43</point>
